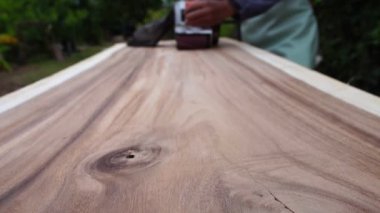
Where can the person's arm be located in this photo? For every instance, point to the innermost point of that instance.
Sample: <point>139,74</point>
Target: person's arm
<point>245,9</point>
<point>207,13</point>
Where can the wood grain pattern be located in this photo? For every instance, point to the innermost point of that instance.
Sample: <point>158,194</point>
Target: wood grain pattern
<point>157,130</point>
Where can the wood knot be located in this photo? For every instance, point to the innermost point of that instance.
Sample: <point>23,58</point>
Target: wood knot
<point>133,157</point>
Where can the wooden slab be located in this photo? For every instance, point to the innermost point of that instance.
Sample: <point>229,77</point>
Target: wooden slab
<point>220,130</point>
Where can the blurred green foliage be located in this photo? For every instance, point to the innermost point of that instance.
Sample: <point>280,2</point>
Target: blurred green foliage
<point>350,41</point>
<point>4,64</point>
<point>54,26</point>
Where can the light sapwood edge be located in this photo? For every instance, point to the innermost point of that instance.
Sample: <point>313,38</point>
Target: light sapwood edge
<point>335,88</point>
<point>27,93</point>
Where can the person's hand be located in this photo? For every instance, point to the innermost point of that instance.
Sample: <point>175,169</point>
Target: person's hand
<point>207,13</point>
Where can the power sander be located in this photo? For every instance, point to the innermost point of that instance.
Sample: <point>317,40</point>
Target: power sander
<point>190,37</point>
<point>187,37</point>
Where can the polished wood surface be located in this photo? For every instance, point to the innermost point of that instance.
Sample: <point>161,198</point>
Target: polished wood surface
<point>161,130</point>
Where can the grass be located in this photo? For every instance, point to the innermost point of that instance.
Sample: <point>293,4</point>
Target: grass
<point>41,68</point>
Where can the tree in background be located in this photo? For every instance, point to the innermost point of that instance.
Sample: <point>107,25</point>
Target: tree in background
<point>41,24</point>
<point>55,26</point>
<point>350,41</point>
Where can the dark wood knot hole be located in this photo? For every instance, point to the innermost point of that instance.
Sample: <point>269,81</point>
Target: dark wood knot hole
<point>131,157</point>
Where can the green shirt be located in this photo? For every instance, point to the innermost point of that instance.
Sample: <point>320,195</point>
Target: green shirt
<point>288,29</point>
